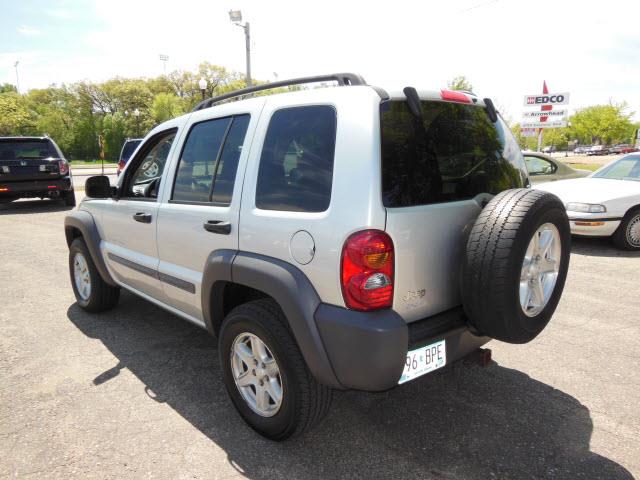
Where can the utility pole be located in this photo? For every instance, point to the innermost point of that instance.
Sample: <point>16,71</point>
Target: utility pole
<point>15,65</point>
<point>236,17</point>
<point>163,59</point>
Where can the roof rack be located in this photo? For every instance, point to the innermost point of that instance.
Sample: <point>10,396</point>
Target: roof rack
<point>343,79</point>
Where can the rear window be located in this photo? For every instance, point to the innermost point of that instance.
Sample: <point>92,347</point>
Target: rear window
<point>18,149</point>
<point>128,148</point>
<point>455,154</point>
<point>296,165</point>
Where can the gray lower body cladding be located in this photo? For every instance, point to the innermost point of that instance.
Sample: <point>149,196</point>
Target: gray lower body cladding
<point>367,350</point>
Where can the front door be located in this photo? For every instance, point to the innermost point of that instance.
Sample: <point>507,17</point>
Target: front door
<point>201,211</point>
<point>129,222</point>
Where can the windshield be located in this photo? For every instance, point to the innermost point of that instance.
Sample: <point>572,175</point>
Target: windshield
<point>627,168</point>
<point>128,148</point>
<point>19,149</point>
<point>455,154</point>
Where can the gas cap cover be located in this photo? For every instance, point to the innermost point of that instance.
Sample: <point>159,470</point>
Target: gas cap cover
<point>302,247</point>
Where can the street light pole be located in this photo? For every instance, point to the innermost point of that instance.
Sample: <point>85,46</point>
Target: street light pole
<point>247,38</point>
<point>15,65</point>
<point>203,86</point>
<point>136,113</point>
<point>236,18</point>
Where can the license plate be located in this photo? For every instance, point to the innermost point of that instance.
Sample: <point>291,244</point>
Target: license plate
<point>424,360</point>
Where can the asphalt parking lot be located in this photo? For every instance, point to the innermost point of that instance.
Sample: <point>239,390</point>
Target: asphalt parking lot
<point>136,393</point>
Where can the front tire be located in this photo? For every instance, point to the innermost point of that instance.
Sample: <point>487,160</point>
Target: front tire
<point>627,236</point>
<point>92,293</point>
<point>266,375</point>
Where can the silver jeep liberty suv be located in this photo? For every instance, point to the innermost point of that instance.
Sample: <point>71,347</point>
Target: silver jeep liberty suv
<point>331,238</point>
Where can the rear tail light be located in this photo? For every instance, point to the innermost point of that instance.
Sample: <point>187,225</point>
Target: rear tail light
<point>367,270</point>
<point>4,189</point>
<point>453,96</point>
<point>121,165</point>
<point>63,166</point>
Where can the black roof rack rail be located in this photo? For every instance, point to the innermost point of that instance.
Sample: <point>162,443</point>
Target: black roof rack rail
<point>343,79</point>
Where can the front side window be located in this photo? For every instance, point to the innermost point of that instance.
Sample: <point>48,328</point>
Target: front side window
<point>454,153</point>
<point>209,161</point>
<point>145,179</point>
<point>539,166</point>
<point>296,165</point>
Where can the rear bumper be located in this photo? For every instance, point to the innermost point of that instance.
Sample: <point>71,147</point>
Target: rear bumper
<point>594,226</point>
<point>367,350</point>
<point>35,188</point>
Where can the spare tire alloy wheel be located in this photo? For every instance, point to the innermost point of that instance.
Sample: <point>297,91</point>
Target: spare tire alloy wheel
<point>516,264</point>
<point>540,269</point>
<point>256,374</point>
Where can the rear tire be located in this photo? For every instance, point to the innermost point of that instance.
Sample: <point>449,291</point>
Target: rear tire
<point>69,198</point>
<point>516,264</point>
<point>92,293</point>
<point>303,401</point>
<point>627,236</point>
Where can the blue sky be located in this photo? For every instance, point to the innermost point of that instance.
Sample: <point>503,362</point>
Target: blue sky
<point>505,47</point>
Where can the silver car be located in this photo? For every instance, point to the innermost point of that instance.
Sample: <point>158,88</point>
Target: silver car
<point>330,238</point>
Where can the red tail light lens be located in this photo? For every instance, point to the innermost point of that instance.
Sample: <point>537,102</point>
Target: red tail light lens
<point>63,166</point>
<point>453,96</point>
<point>121,165</point>
<point>367,270</point>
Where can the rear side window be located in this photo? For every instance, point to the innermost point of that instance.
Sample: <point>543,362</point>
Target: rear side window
<point>209,161</point>
<point>296,165</point>
<point>455,154</point>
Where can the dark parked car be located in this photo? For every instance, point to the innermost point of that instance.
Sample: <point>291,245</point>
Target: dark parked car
<point>128,147</point>
<point>34,167</point>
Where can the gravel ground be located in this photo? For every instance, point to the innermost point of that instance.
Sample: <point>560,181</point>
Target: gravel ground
<point>136,392</point>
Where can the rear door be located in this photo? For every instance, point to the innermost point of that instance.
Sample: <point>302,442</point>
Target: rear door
<point>129,223</point>
<point>436,177</point>
<point>200,210</point>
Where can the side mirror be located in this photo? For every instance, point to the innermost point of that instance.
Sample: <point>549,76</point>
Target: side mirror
<point>98,187</point>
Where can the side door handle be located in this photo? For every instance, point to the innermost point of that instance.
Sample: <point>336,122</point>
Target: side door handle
<point>218,226</point>
<point>142,217</point>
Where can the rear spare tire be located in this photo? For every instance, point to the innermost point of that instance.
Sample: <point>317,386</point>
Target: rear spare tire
<point>516,264</point>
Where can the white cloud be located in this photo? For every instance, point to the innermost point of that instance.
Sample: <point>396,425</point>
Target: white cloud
<point>28,30</point>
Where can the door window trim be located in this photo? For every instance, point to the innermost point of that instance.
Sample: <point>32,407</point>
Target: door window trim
<point>135,162</point>
<point>216,163</point>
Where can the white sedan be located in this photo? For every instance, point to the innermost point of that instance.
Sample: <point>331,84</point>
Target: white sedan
<point>606,203</point>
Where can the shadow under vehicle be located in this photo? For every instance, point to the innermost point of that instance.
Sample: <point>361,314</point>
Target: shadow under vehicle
<point>460,422</point>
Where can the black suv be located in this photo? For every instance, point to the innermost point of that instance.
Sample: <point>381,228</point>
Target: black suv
<point>34,167</point>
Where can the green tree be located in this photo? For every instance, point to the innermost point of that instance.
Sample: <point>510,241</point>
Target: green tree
<point>460,83</point>
<point>114,133</point>
<point>556,137</point>
<point>166,106</point>
<point>605,124</point>
<point>15,118</point>
<point>8,87</point>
